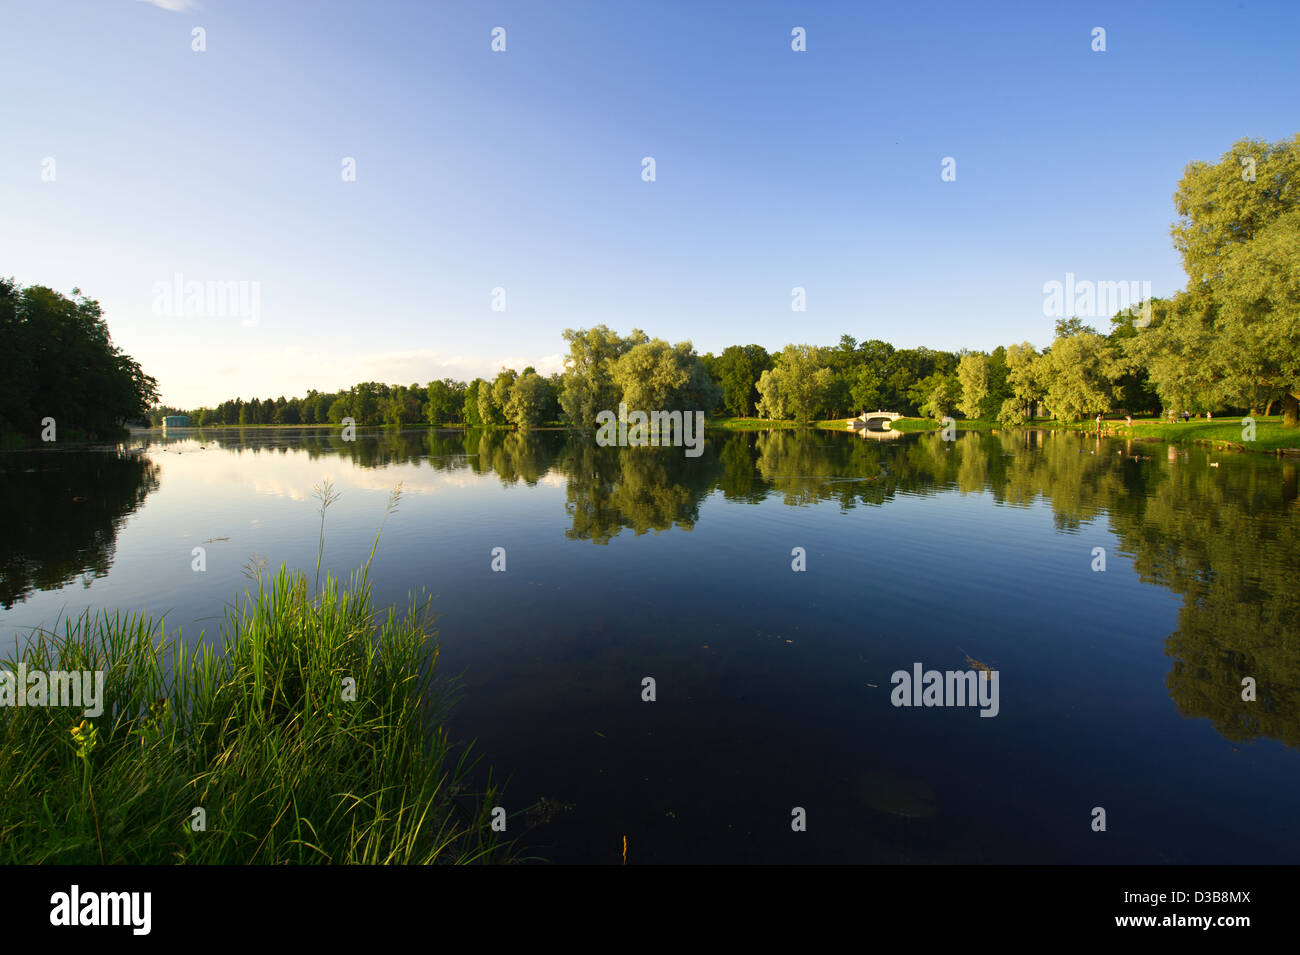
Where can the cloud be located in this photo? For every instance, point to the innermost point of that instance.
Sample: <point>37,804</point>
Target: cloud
<point>176,6</point>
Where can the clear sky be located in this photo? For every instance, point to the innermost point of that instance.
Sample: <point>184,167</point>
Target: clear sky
<point>522,170</point>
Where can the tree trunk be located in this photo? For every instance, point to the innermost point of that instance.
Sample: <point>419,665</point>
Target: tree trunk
<point>1268,408</point>
<point>1290,410</point>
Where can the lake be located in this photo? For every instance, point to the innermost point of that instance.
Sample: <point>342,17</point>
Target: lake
<point>1119,688</point>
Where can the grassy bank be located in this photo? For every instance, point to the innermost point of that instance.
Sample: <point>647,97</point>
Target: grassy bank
<point>1227,432</point>
<point>1270,433</point>
<point>929,424</point>
<point>311,734</point>
<point>727,423</point>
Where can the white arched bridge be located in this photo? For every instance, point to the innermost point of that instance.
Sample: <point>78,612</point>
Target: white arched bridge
<point>874,421</point>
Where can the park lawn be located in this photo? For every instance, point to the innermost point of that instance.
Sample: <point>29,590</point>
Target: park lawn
<point>929,424</point>
<point>1270,433</point>
<point>729,423</point>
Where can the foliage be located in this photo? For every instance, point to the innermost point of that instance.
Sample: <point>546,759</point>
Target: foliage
<point>589,386</point>
<point>795,387</point>
<point>1080,370</point>
<point>936,395</point>
<point>738,370</point>
<point>1026,375</point>
<point>657,376</point>
<point>58,361</point>
<point>1012,413</point>
<point>1231,341</point>
<point>527,400</point>
<point>310,734</point>
<point>472,418</point>
<point>444,401</point>
<point>1233,337</point>
<point>973,374</point>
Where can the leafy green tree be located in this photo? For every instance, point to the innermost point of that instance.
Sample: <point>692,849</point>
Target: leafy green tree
<point>999,383</point>
<point>555,385</point>
<point>341,408</point>
<point>472,417</point>
<point>908,366</point>
<point>656,376</point>
<point>866,389</point>
<point>1012,413</point>
<point>1135,392</point>
<point>738,371</point>
<point>588,383</point>
<point>843,362</point>
<point>402,405</point>
<point>501,386</point>
<point>936,394</point>
<point>1234,334</point>
<point>1081,370</point>
<point>973,374</point>
<point>527,400</point>
<point>492,397</point>
<point>445,401</point>
<point>288,413</point>
<point>1025,376</point>
<point>796,385</point>
<point>323,405</point>
<point>876,356</point>
<point>58,360</point>
<point>1068,327</point>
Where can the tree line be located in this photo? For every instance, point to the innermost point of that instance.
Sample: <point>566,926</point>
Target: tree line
<point>524,398</point>
<point>1229,342</point>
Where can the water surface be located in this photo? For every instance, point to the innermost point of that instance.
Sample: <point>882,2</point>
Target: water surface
<point>1119,689</point>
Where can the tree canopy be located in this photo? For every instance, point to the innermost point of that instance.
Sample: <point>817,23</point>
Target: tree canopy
<point>58,361</point>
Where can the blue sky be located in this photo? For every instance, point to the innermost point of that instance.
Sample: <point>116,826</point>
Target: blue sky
<point>522,170</point>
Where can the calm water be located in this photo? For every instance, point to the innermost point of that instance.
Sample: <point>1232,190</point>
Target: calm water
<point>1119,689</point>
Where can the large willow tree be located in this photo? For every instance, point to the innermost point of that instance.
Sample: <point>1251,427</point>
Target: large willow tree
<point>1234,334</point>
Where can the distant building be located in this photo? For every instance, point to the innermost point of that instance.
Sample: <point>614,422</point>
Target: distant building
<point>176,421</point>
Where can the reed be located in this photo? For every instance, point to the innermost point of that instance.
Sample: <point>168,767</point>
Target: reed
<point>310,732</point>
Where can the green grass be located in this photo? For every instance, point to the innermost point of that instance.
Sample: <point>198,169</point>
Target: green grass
<point>929,424</point>
<point>257,731</point>
<point>1270,433</point>
<point>728,423</point>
